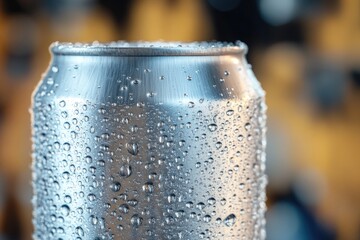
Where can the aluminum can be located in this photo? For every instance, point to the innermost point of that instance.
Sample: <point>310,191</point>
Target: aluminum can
<point>148,141</point>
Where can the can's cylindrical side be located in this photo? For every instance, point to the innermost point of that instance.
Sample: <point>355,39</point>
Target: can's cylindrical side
<point>148,146</point>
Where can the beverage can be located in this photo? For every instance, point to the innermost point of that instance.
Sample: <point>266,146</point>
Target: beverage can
<point>148,141</point>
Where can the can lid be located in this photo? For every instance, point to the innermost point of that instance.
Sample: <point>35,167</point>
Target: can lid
<point>122,48</point>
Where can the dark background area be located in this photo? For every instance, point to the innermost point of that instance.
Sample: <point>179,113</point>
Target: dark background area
<point>305,53</point>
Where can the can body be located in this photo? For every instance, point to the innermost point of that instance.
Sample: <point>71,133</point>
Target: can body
<point>138,142</point>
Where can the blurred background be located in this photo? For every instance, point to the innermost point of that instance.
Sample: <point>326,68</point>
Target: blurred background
<point>306,54</point>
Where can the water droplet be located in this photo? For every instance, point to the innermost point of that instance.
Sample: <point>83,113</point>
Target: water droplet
<point>91,197</point>
<point>65,210</point>
<point>64,114</point>
<point>191,104</point>
<point>66,146</point>
<point>230,220</point>
<point>50,81</point>
<point>161,77</point>
<point>207,218</point>
<point>169,219</point>
<point>150,94</point>
<point>80,231</point>
<point>62,103</point>
<point>132,202</point>
<point>179,213</point>
<point>211,201</point>
<point>182,143</point>
<point>226,73</point>
<point>189,204</point>
<point>101,162</point>
<point>54,69</point>
<point>88,159</point>
<point>189,78</point>
<point>134,128</point>
<point>212,127</point>
<point>229,112</point>
<point>93,219</point>
<point>73,134</point>
<point>136,221</point>
<point>148,187</point>
<point>66,125</point>
<point>124,208</point>
<point>200,205</point>
<point>162,138</point>
<point>171,198</point>
<point>240,138</point>
<point>125,170</point>
<point>56,145</point>
<point>247,126</point>
<point>135,81</point>
<point>115,186</point>
<point>132,148</point>
<point>66,175</point>
<point>68,199</point>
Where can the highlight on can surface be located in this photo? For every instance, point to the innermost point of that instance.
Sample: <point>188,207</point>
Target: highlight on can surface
<point>149,48</point>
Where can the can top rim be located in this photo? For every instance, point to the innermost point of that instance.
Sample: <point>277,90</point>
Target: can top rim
<point>122,48</point>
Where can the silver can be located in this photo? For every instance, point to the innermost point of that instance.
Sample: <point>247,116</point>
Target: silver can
<point>148,141</point>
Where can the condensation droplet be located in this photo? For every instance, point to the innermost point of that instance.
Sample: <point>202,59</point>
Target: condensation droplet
<point>207,218</point>
<point>93,219</point>
<point>171,198</point>
<point>211,201</point>
<point>65,210</point>
<point>124,208</point>
<point>191,104</point>
<point>230,220</point>
<point>88,159</point>
<point>54,69</point>
<point>212,127</point>
<point>115,186</point>
<point>148,187</point>
<point>125,170</point>
<point>62,103</point>
<point>229,112</point>
<point>68,199</point>
<point>50,81</point>
<point>136,220</point>
<point>91,197</point>
<point>132,148</point>
<point>80,231</point>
